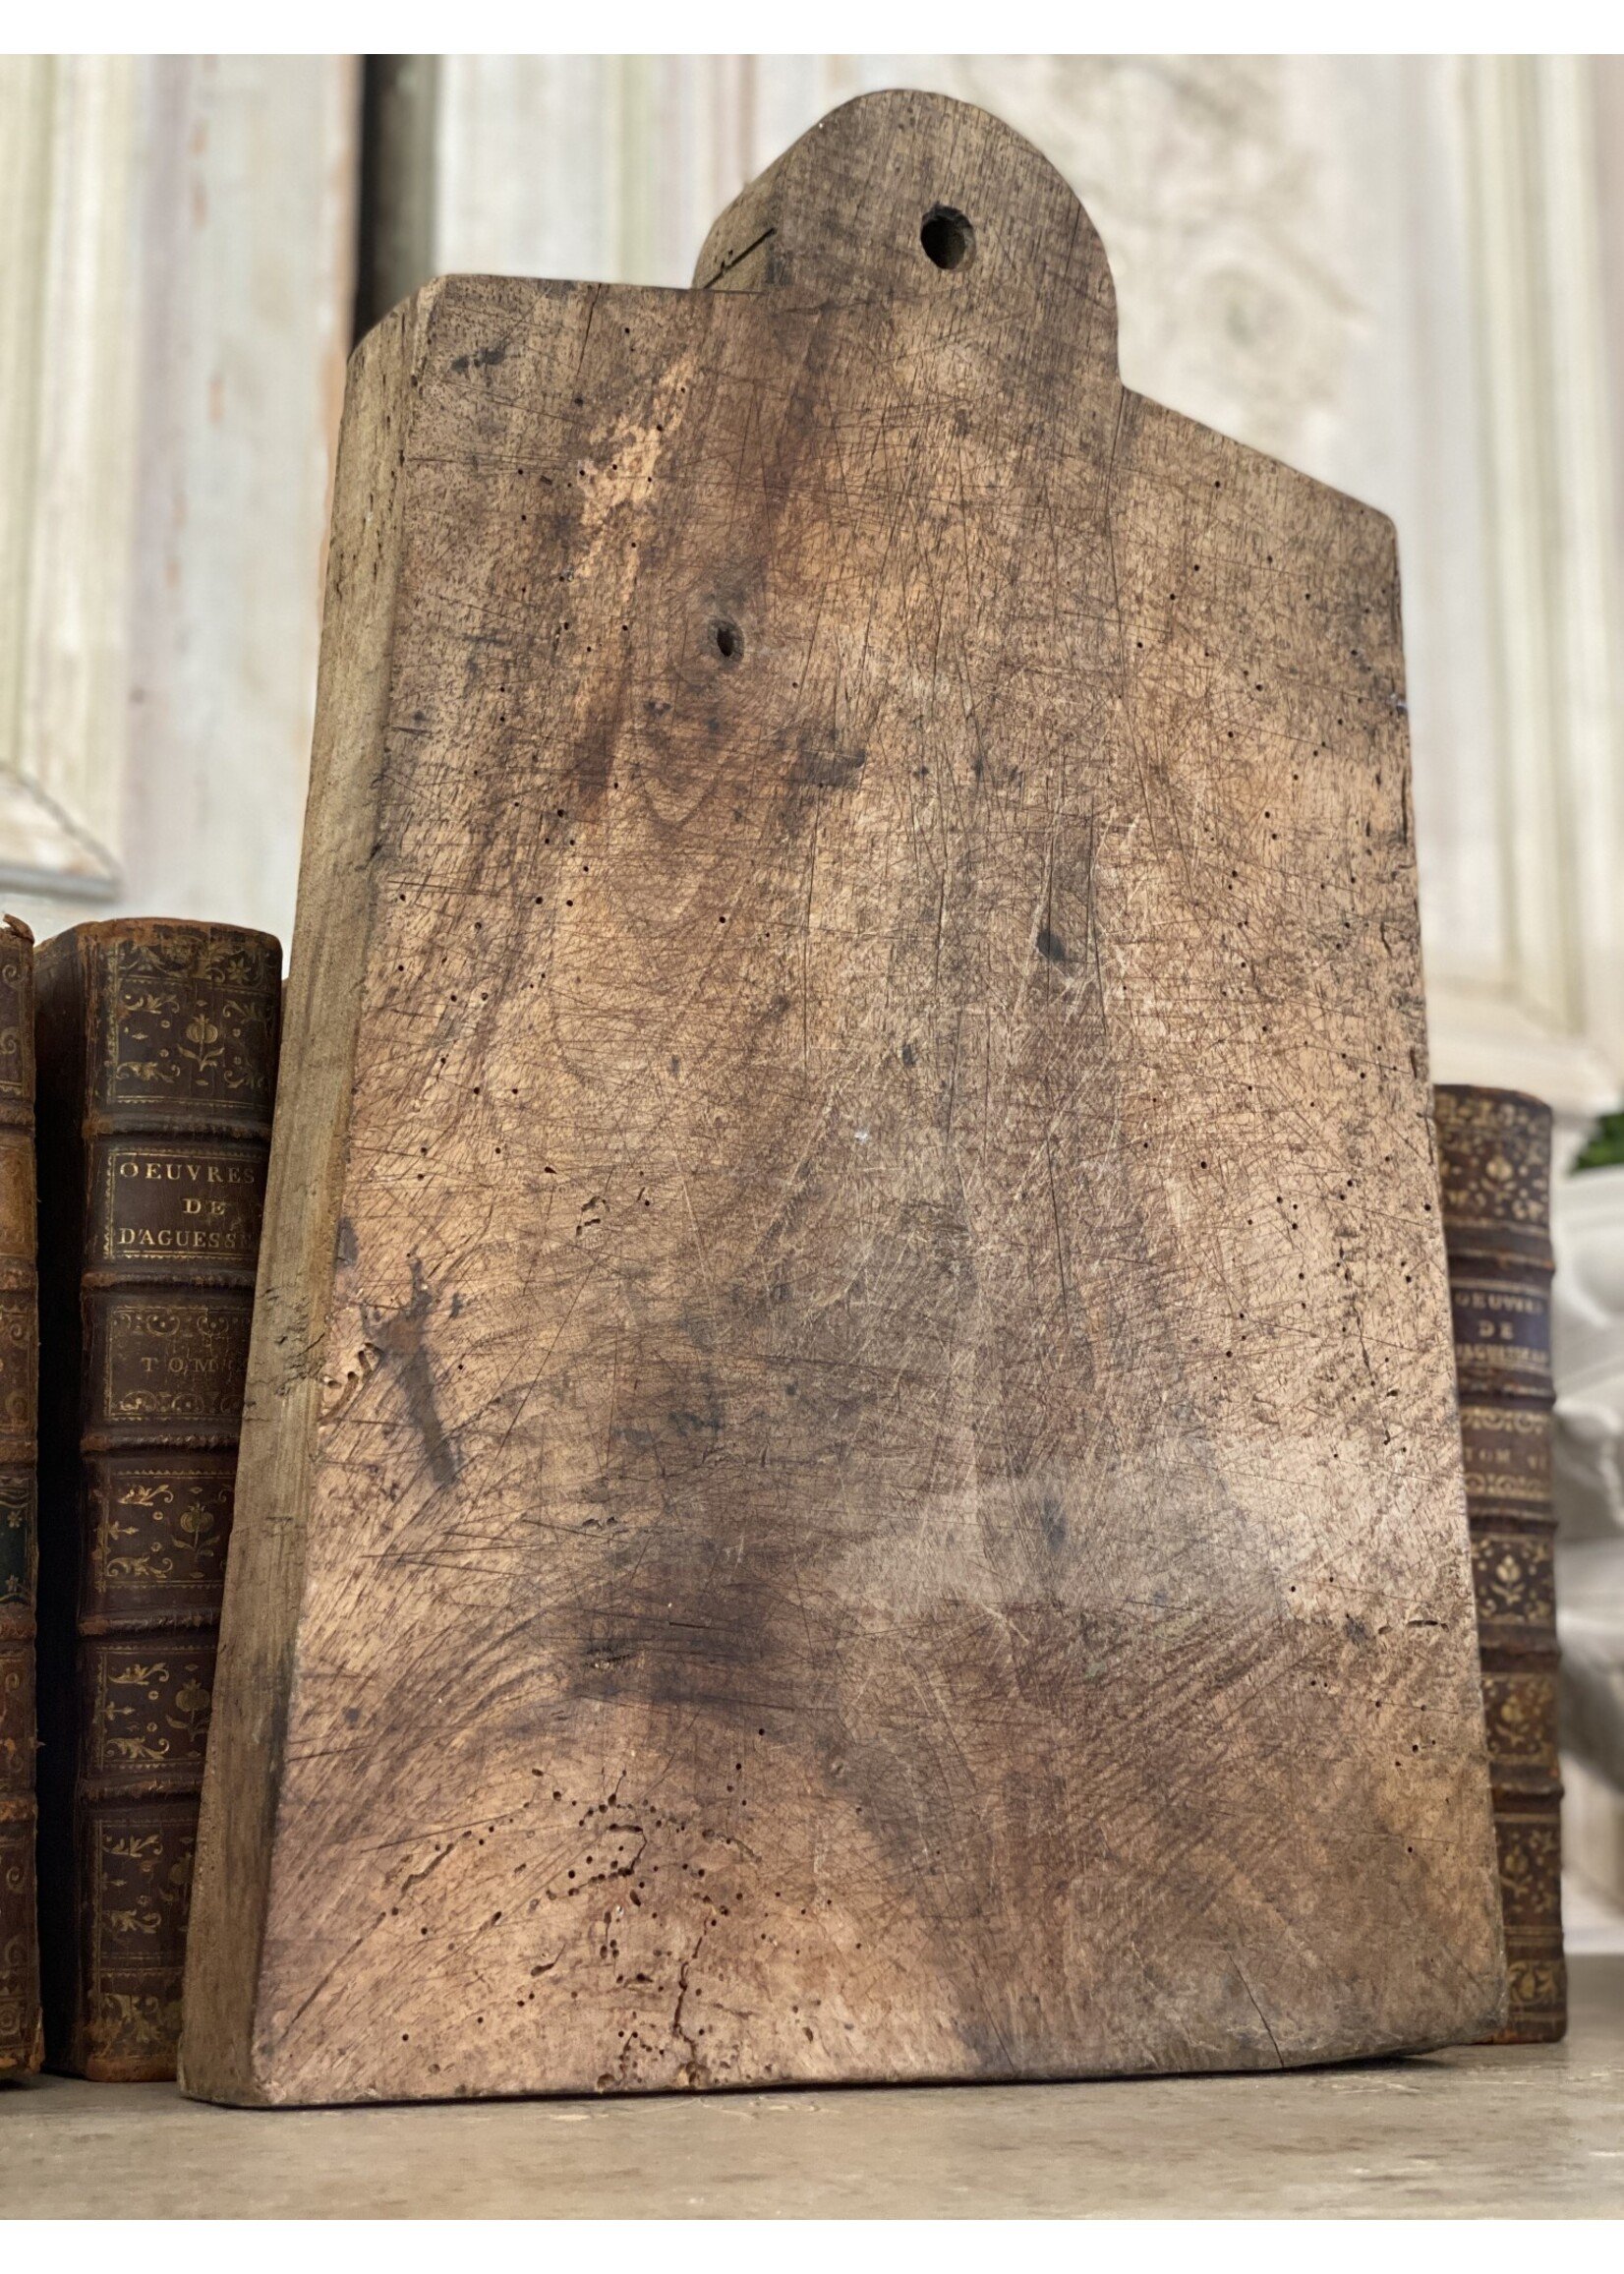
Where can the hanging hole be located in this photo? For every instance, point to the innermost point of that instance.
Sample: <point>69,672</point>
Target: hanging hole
<point>948,238</point>
<point>727,640</point>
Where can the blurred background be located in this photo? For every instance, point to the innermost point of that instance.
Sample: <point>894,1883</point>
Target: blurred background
<point>1405,276</point>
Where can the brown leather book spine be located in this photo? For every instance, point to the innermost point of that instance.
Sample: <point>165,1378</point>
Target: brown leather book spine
<point>21,2042</point>
<point>157,1066</point>
<point>1494,1164</point>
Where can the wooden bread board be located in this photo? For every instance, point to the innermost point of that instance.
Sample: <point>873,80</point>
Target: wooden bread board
<point>850,1468</point>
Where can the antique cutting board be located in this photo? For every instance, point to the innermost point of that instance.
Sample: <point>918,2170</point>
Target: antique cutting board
<point>851,1466</point>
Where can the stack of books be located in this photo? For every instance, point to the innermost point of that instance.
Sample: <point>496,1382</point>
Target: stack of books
<point>155,1048</point>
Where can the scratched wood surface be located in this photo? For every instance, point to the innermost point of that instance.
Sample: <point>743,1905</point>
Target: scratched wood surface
<point>851,1464</point>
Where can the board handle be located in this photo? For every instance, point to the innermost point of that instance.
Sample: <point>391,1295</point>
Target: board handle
<point>916,198</point>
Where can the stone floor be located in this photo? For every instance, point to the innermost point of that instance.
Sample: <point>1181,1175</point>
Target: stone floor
<point>1512,2131</point>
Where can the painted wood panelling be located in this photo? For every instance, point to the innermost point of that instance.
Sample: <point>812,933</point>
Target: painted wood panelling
<point>67,130</point>
<point>1394,272</point>
<point>175,279</point>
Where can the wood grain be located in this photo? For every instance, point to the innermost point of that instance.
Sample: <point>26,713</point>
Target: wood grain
<point>850,1468</point>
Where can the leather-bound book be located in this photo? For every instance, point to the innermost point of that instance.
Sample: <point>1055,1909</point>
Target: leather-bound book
<point>20,2034</point>
<point>157,1066</point>
<point>1494,1164</point>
